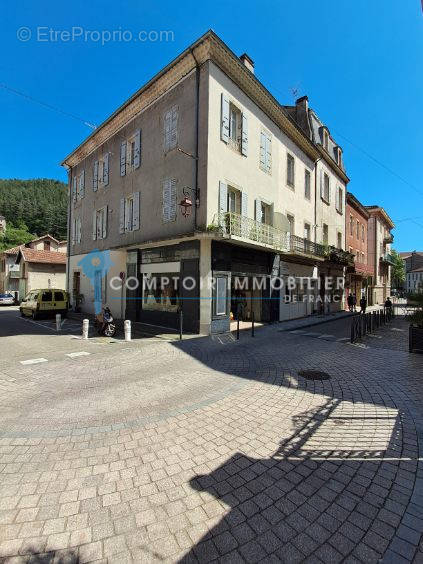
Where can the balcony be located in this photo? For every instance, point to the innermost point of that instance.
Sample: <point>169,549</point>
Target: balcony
<point>239,227</point>
<point>387,259</point>
<point>388,239</point>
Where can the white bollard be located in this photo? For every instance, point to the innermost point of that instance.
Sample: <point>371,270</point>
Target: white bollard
<point>127,326</point>
<point>58,321</point>
<point>85,328</point>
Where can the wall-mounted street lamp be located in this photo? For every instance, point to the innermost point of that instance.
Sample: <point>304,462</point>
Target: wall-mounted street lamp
<point>186,203</point>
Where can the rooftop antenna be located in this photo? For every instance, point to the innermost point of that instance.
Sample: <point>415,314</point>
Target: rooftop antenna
<point>295,91</point>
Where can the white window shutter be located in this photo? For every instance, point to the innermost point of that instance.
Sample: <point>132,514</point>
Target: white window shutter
<point>137,211</point>
<point>104,222</point>
<point>73,230</point>
<point>268,153</point>
<point>128,224</point>
<point>263,150</point>
<point>82,184</point>
<point>167,129</point>
<point>224,123</point>
<point>79,229</point>
<point>123,158</point>
<point>137,149</point>
<point>257,204</point>
<point>174,128</point>
<point>329,189</point>
<point>322,193</point>
<point>173,199</point>
<point>337,200</point>
<point>74,189</point>
<point>244,204</point>
<point>94,225</point>
<point>223,197</point>
<point>95,176</point>
<point>122,216</point>
<point>166,199</point>
<point>244,135</point>
<point>106,169</point>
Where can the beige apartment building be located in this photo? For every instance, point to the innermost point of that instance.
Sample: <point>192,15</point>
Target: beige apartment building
<point>203,175</point>
<point>379,253</point>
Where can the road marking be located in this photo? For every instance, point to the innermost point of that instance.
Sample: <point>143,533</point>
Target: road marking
<point>343,339</point>
<point>33,361</point>
<point>298,331</point>
<point>327,336</point>
<point>75,354</point>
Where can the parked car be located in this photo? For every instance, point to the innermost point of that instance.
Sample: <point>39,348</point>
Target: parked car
<point>45,302</point>
<point>7,299</point>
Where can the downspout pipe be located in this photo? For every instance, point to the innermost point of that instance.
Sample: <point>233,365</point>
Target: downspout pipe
<point>197,133</point>
<point>315,198</point>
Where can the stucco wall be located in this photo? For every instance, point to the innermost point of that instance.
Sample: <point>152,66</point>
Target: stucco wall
<point>110,295</point>
<point>45,276</point>
<point>225,164</point>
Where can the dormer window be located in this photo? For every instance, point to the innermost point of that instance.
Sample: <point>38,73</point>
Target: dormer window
<point>325,139</point>
<point>338,153</point>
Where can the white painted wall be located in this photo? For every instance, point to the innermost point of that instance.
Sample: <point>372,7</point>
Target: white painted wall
<point>225,164</point>
<point>112,297</point>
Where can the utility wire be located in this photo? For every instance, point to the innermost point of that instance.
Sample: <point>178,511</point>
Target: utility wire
<point>53,108</point>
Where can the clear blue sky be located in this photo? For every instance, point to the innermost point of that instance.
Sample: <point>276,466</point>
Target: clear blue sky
<point>360,63</point>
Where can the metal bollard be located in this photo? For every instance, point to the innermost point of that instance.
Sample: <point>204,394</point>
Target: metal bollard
<point>127,327</point>
<point>237,322</point>
<point>252,323</point>
<point>58,321</point>
<point>85,328</point>
<point>181,324</point>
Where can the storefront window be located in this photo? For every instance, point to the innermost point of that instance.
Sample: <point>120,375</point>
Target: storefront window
<point>161,292</point>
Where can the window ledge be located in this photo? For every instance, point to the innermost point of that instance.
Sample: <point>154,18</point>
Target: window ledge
<point>327,202</point>
<point>291,186</point>
<point>340,212</point>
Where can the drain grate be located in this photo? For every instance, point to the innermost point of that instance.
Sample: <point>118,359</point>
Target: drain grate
<point>314,375</point>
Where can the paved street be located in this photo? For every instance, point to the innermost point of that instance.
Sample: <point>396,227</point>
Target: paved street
<point>207,450</point>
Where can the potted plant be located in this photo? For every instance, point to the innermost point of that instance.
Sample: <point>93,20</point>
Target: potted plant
<point>416,323</point>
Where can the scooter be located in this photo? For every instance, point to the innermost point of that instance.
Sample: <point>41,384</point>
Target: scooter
<point>107,328</point>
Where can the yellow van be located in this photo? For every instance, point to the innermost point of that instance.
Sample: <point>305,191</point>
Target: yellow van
<point>45,301</point>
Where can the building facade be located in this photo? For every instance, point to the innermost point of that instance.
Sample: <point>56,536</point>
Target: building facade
<point>380,239</point>
<point>359,276</point>
<point>41,263</point>
<point>202,175</point>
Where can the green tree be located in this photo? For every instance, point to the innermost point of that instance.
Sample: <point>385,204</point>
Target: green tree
<point>40,203</point>
<point>398,270</point>
<point>15,236</point>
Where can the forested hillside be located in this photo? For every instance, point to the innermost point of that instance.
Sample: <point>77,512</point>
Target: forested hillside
<point>32,208</point>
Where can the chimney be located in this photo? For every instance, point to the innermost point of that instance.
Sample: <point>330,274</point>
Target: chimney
<point>302,103</point>
<point>248,62</point>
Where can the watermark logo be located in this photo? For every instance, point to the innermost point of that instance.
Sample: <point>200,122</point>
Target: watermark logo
<point>95,266</point>
<point>45,34</point>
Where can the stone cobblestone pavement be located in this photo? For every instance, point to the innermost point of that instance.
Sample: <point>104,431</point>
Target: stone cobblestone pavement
<point>213,450</point>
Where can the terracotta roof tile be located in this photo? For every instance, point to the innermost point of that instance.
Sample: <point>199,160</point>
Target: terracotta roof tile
<point>45,257</point>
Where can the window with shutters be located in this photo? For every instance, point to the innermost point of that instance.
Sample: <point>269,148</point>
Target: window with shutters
<point>325,234</point>
<point>290,170</point>
<point>339,200</point>
<point>81,185</point>
<point>325,139</point>
<point>326,188</point>
<point>307,185</point>
<point>351,225</point>
<point>100,227</point>
<point>363,233</point>
<point>291,223</point>
<point>339,240</point>
<point>358,229</point>
<point>234,200</point>
<point>171,128</point>
<point>265,152</point>
<point>234,127</point>
<point>169,200</point>
<point>307,231</point>
<point>76,229</point>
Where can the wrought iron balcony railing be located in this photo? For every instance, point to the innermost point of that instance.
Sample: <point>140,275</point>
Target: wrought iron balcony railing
<point>236,225</point>
<point>388,239</point>
<point>387,258</point>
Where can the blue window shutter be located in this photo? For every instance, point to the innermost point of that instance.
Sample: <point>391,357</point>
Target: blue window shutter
<point>106,169</point>
<point>137,150</point>
<point>136,212</point>
<point>224,123</point>
<point>244,135</point>
<point>95,176</point>
<point>258,209</point>
<point>223,197</point>
<point>244,204</point>
<point>123,158</point>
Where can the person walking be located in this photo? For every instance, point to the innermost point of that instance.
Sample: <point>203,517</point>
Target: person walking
<point>350,302</point>
<point>354,303</point>
<point>363,304</point>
